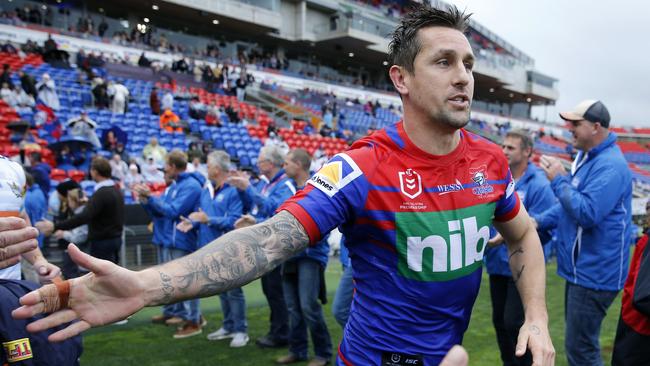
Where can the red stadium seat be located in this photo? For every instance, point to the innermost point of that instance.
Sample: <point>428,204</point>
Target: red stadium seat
<point>58,175</point>
<point>77,175</point>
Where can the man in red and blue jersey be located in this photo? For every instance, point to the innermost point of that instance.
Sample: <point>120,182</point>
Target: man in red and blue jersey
<point>415,202</point>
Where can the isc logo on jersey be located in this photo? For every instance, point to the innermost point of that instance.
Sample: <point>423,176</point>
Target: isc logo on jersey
<point>335,174</point>
<point>444,245</point>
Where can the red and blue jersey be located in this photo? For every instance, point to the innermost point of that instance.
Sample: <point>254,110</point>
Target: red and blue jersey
<point>416,226</point>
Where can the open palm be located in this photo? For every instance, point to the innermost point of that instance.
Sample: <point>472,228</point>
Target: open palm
<point>108,294</point>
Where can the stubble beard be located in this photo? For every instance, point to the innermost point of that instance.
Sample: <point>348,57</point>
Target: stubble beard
<point>453,120</point>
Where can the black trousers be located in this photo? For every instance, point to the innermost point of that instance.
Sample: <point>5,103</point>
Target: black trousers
<point>108,249</point>
<point>272,288</point>
<point>630,347</point>
<point>507,317</point>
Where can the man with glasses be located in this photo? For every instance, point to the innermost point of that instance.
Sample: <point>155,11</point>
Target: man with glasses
<point>592,215</point>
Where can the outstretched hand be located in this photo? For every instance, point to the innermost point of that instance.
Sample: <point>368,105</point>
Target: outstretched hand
<point>535,337</point>
<point>107,294</point>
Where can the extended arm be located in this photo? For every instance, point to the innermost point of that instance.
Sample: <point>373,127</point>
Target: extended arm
<point>529,274</point>
<point>110,293</point>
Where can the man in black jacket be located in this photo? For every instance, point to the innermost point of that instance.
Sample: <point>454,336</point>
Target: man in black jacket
<point>104,215</point>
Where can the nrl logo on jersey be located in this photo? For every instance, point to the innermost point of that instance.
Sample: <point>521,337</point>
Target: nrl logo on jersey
<point>479,176</point>
<point>410,183</point>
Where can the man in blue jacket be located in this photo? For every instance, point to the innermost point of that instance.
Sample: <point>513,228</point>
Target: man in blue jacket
<point>537,196</point>
<point>303,283</point>
<point>215,215</point>
<point>35,204</point>
<point>263,203</point>
<point>162,231</point>
<point>181,199</point>
<point>592,219</point>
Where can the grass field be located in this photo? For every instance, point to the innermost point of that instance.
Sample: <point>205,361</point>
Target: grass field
<point>141,343</point>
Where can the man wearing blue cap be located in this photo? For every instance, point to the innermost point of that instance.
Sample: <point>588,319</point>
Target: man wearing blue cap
<point>592,216</point>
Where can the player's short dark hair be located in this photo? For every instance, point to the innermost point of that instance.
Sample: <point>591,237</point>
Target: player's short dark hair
<point>405,44</point>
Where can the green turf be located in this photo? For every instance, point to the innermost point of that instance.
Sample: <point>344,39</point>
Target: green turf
<point>141,343</point>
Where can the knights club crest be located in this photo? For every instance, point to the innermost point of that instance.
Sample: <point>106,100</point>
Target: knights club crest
<point>410,183</point>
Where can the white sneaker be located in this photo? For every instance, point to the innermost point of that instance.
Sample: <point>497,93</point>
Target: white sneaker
<point>239,340</point>
<point>220,334</point>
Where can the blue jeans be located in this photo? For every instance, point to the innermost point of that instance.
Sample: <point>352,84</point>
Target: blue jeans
<point>584,311</point>
<point>301,291</point>
<point>181,309</point>
<point>233,305</point>
<point>343,297</point>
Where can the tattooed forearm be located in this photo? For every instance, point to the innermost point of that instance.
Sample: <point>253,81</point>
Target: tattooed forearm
<point>517,276</point>
<point>519,250</point>
<point>234,259</point>
<point>166,286</point>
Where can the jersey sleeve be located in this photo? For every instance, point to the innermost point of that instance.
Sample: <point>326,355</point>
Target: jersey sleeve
<point>509,204</point>
<point>331,197</point>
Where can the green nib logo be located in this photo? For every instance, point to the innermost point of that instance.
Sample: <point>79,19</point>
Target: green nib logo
<point>441,246</point>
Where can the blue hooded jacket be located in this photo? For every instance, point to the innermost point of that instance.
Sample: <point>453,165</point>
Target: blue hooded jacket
<point>534,191</point>
<point>223,207</point>
<point>162,226</point>
<point>592,218</point>
<point>36,207</point>
<point>266,198</point>
<point>181,199</point>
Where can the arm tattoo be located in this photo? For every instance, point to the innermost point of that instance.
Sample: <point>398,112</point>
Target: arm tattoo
<point>234,259</point>
<point>535,330</point>
<point>166,286</point>
<point>516,251</point>
<point>517,276</point>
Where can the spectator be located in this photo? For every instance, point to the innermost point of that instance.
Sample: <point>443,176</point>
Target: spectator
<point>170,122</point>
<point>167,101</point>
<point>28,83</point>
<point>35,204</point>
<point>143,61</point>
<point>633,332</point>
<point>150,171</point>
<point>119,168</point>
<point>303,284</point>
<point>133,177</point>
<point>197,109</point>
<point>47,92</point>
<point>103,27</point>
<point>345,289</point>
<point>592,217</point>
<point>76,202</point>
<point>5,76</point>
<point>25,102</point>
<point>99,90</point>
<point>120,96</point>
<point>263,202</point>
<point>8,95</point>
<point>180,201</point>
<point>240,86</point>
<point>196,166</point>
<point>154,151</point>
<point>154,103</point>
<point>83,126</point>
<point>537,196</point>
<point>104,215</point>
<point>212,117</point>
<point>218,209</point>
<point>50,44</point>
<point>41,172</point>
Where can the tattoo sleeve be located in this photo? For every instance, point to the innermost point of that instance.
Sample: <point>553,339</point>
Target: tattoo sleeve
<point>232,260</point>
